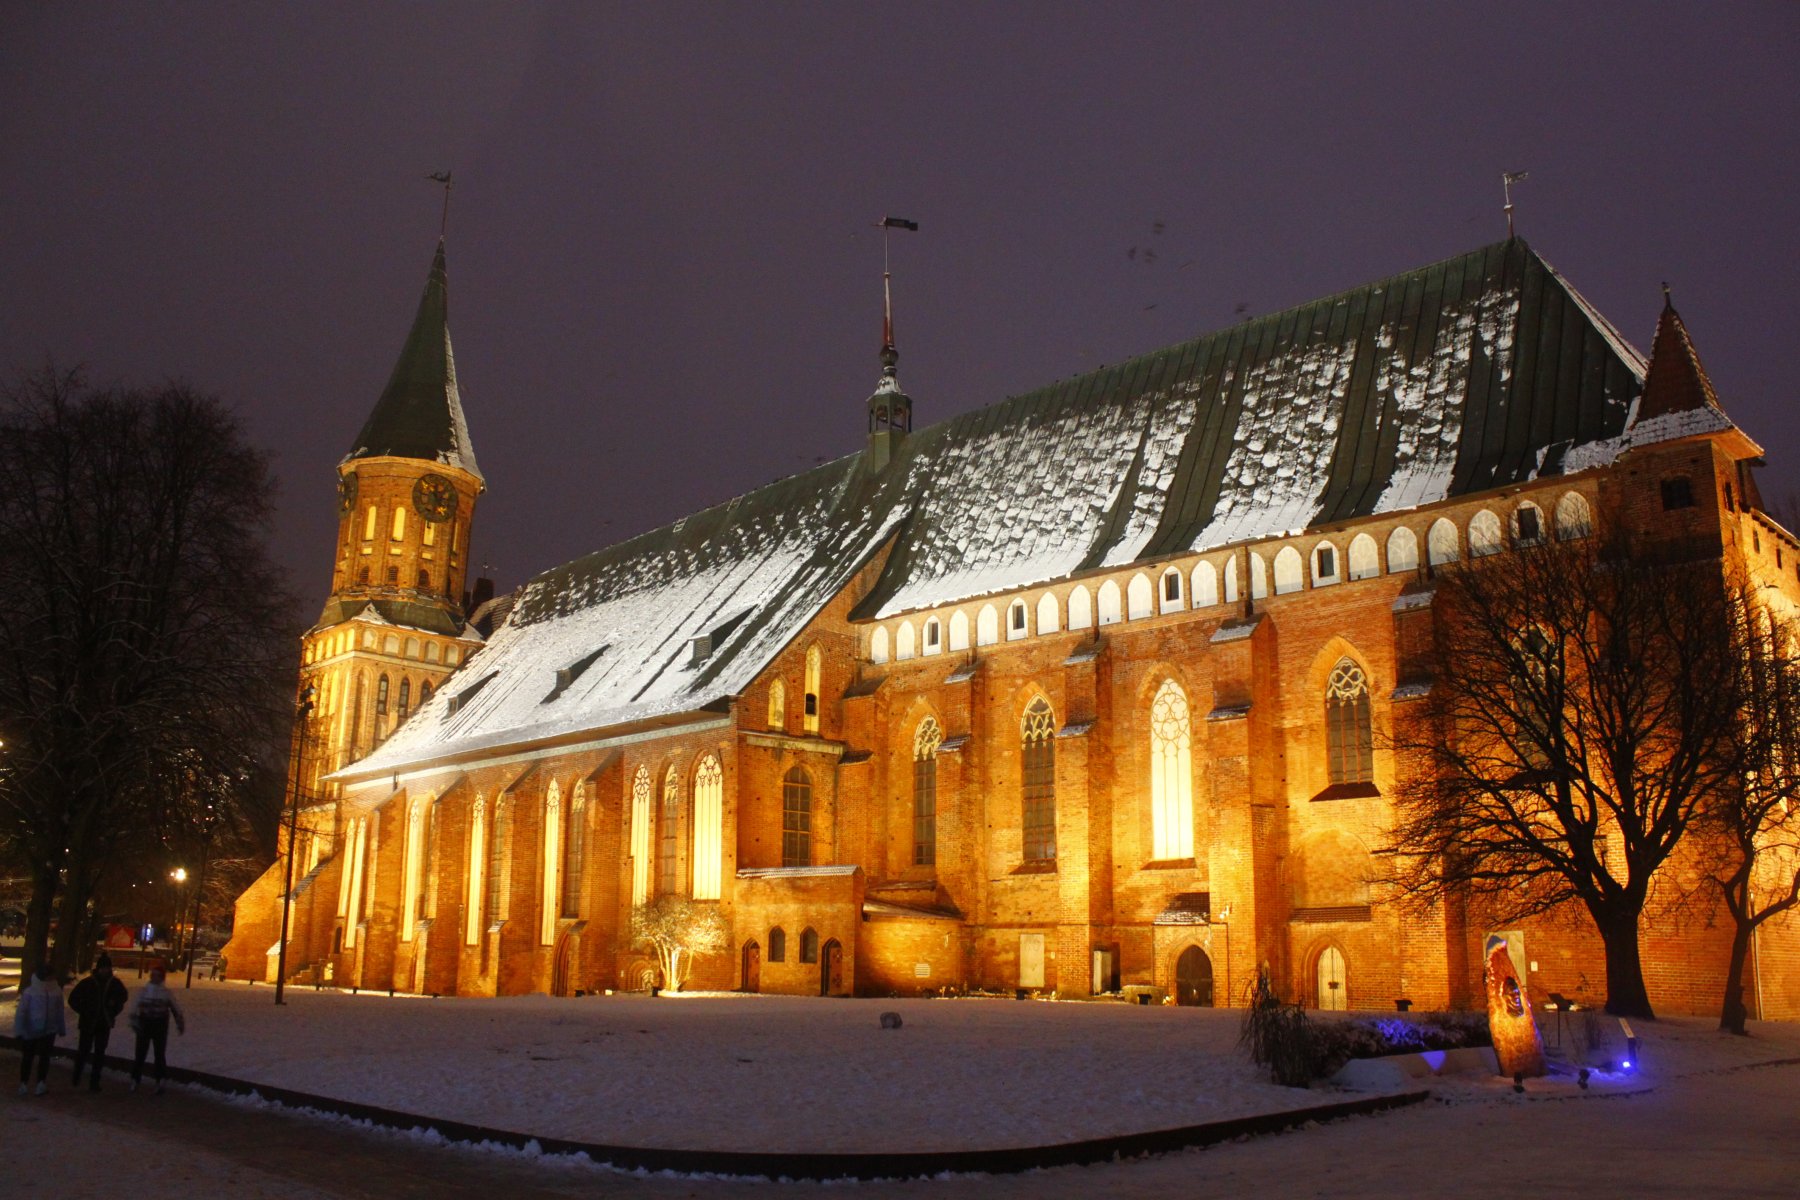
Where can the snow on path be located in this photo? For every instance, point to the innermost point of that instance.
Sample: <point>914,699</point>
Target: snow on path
<point>744,1073</point>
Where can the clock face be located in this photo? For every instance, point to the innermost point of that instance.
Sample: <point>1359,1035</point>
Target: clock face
<point>435,498</point>
<point>347,492</point>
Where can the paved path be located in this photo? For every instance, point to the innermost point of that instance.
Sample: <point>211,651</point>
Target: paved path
<point>1729,1134</point>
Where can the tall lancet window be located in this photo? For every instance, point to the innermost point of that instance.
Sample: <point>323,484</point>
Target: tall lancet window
<point>1171,775</point>
<point>552,863</point>
<point>574,863</point>
<point>477,861</point>
<point>796,818</point>
<point>642,819</point>
<point>668,866</point>
<point>709,828</point>
<point>925,745</point>
<point>1349,746</point>
<point>1037,733</point>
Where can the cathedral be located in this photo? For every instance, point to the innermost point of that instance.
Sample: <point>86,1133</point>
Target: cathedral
<point>1078,694</point>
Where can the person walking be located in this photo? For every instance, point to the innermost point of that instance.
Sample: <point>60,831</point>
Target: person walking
<point>150,1015</point>
<point>37,1023</point>
<point>97,1000</point>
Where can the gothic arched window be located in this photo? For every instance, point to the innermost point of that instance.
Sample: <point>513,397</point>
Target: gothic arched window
<point>1171,775</point>
<point>668,866</point>
<point>1037,778</point>
<point>1349,748</point>
<point>642,819</point>
<point>814,668</point>
<point>925,743</point>
<point>809,945</point>
<point>796,819</point>
<point>778,944</point>
<point>574,861</point>
<point>709,828</point>
<point>778,704</point>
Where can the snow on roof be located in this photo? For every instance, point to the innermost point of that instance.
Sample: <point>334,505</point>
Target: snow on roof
<point>1475,373</point>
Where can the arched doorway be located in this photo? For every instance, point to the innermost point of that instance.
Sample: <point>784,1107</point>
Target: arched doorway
<point>562,973</point>
<point>752,967</point>
<point>831,969</point>
<point>1194,979</point>
<point>1333,993</point>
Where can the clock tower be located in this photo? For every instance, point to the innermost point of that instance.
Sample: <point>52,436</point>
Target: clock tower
<point>394,627</point>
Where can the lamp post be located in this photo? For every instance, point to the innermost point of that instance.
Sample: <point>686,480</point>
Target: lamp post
<point>179,877</point>
<point>287,887</point>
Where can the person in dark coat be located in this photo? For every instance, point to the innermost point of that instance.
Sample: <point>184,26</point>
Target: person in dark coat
<point>150,1014</point>
<point>97,1000</point>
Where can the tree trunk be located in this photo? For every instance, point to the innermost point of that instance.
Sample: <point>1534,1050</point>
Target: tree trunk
<point>1626,995</point>
<point>37,921</point>
<point>1733,1014</point>
<point>71,925</point>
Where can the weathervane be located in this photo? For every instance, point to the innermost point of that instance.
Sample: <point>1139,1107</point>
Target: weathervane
<point>443,177</point>
<point>1507,179</point>
<point>889,355</point>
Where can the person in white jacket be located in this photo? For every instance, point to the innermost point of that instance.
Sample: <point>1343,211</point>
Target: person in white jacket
<point>37,1023</point>
<point>150,1015</point>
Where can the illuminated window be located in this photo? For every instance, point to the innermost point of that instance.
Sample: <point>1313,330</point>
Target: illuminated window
<point>405,698</point>
<point>398,532</point>
<point>959,630</point>
<point>1574,519</point>
<point>1206,585</point>
<point>778,944</point>
<point>1109,603</point>
<point>574,862</point>
<point>878,645</point>
<point>1171,775</point>
<point>1402,550</point>
<point>499,847</point>
<point>477,880</point>
<point>668,867</point>
<point>424,694</point>
<point>796,819</point>
<point>369,525</point>
<point>809,945</point>
<point>413,884</point>
<point>777,705</point>
<point>1081,608</point>
<point>1349,747</point>
<point>1484,534</point>
<point>1049,619</point>
<point>381,696</point>
<point>1365,559</point>
<point>1139,597</point>
<point>552,864</point>
<point>925,744</point>
<point>1288,574</point>
<point>1443,544</point>
<point>814,668</point>
<point>987,626</point>
<point>429,534</point>
<point>905,642</point>
<point>1038,781</point>
<point>642,817</point>
<point>709,828</point>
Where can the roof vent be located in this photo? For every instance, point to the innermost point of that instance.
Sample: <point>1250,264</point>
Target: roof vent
<point>703,646</point>
<point>569,674</point>
<point>463,697</point>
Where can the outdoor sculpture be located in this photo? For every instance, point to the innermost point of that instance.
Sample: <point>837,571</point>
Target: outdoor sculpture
<point>1517,1045</point>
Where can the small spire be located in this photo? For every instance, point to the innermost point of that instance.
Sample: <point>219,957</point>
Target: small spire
<point>1668,300</point>
<point>890,409</point>
<point>1674,381</point>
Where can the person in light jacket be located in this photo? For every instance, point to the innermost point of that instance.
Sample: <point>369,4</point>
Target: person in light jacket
<point>97,1000</point>
<point>37,1023</point>
<point>150,1015</point>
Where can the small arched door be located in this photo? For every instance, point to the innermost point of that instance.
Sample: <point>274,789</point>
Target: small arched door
<point>831,969</point>
<point>562,969</point>
<point>752,967</point>
<point>1334,996</point>
<point>1194,979</point>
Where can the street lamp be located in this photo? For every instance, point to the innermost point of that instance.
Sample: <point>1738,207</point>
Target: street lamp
<point>179,876</point>
<point>287,888</point>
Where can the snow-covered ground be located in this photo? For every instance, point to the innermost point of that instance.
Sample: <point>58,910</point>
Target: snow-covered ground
<point>762,1073</point>
<point>1708,1116</point>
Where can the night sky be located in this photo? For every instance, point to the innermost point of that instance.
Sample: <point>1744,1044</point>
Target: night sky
<point>665,285</point>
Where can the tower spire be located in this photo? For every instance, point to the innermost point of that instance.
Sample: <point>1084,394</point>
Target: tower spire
<point>890,410</point>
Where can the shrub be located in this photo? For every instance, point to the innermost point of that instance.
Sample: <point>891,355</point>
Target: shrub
<point>1277,1036</point>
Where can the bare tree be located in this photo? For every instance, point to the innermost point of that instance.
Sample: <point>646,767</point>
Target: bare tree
<point>1582,709</point>
<point>679,930</point>
<point>145,635</point>
<point>1753,852</point>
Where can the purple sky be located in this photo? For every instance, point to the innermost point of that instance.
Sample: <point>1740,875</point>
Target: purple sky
<point>665,287</point>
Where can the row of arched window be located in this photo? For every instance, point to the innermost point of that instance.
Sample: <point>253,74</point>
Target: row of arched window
<point>658,826</point>
<point>809,945</point>
<point>1349,754</point>
<point>1218,581</point>
<point>809,696</point>
<point>342,641</point>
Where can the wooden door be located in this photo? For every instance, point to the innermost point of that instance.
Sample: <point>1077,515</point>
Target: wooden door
<point>1194,979</point>
<point>831,969</point>
<point>1031,960</point>
<point>1334,996</point>
<point>752,967</point>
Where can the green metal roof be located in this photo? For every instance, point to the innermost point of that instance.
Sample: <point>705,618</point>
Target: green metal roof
<point>420,412</point>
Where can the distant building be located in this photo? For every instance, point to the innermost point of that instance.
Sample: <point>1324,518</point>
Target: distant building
<point>1073,693</point>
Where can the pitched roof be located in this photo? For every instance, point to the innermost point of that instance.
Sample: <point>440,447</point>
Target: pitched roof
<point>1675,380</point>
<point>1475,373</point>
<point>420,412</point>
